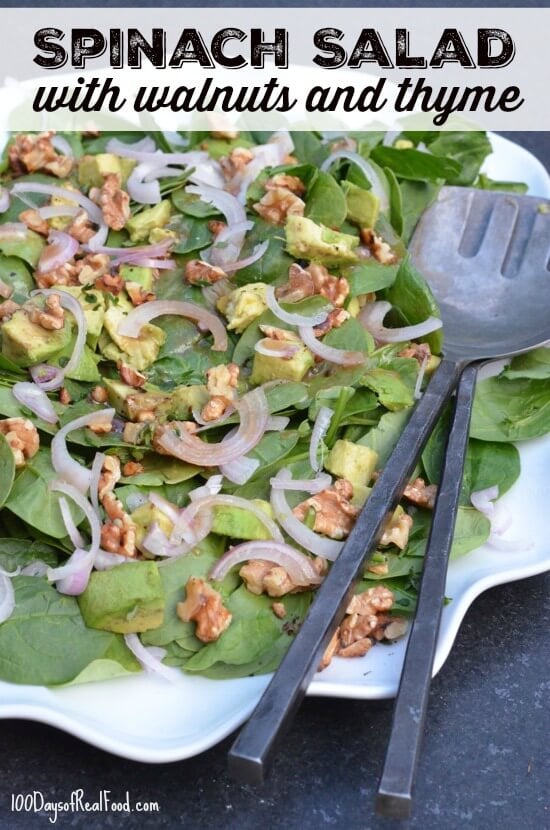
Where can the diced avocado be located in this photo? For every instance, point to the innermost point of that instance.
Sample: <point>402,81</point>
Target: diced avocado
<point>237,523</point>
<point>139,227</point>
<point>432,364</point>
<point>131,402</point>
<point>137,273</point>
<point>144,516</point>
<point>86,368</point>
<point>179,405</point>
<point>266,368</point>
<point>126,599</point>
<point>243,305</point>
<point>140,352</point>
<point>25,343</point>
<point>352,461</point>
<point>360,494</point>
<point>59,223</point>
<point>93,305</point>
<point>307,240</point>
<point>160,234</point>
<point>363,206</point>
<point>92,169</point>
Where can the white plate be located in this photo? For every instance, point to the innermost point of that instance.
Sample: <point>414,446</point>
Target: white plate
<point>153,721</point>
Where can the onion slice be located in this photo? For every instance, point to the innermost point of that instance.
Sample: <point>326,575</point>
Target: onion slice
<point>148,658</point>
<point>373,176</point>
<point>287,317</point>
<point>308,539</point>
<point>257,253</point>
<point>71,304</point>
<point>97,467</point>
<point>73,532</point>
<point>342,357</point>
<point>298,566</point>
<point>320,428</point>
<point>67,468</point>
<point>35,399</point>
<point>139,316</point>
<point>372,315</point>
<point>72,577</point>
<point>60,249</point>
<point>7,597</point>
<point>305,485</point>
<point>254,415</point>
<point>208,502</point>
<point>93,211</point>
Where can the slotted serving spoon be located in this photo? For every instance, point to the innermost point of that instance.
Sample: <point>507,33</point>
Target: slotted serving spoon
<point>485,255</point>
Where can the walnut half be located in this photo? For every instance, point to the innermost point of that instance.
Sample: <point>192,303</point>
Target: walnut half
<point>203,605</point>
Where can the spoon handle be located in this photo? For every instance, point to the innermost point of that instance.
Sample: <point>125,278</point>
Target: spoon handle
<point>394,796</point>
<point>256,743</point>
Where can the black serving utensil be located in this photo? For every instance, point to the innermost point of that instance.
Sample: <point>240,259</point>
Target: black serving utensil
<point>485,256</point>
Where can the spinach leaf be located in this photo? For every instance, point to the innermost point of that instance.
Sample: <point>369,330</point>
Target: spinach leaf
<point>383,437</point>
<point>187,368</point>
<point>309,148</point>
<point>395,383</point>
<point>370,276</point>
<point>16,553</point>
<point>350,335</point>
<point>326,202</point>
<point>415,165</point>
<point>193,234</point>
<point>468,149</point>
<point>161,469</point>
<point>45,641</point>
<point>471,531</point>
<point>534,364</point>
<point>7,469</point>
<point>273,266</point>
<point>483,182</point>
<point>412,298</point>
<point>511,410</point>
<point>15,273</point>
<point>416,198</point>
<point>396,201</point>
<point>191,205</point>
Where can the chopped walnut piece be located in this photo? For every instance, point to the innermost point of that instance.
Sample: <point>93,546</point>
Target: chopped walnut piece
<point>92,267</point>
<point>279,203</point>
<point>64,396</point>
<point>216,226</point>
<point>334,513</point>
<point>335,319</point>
<point>380,250</point>
<point>99,394</point>
<point>118,534</point>
<point>111,283</point>
<point>110,475</point>
<point>292,183</point>
<point>64,275</point>
<point>397,530</point>
<point>132,432</point>
<point>34,222</point>
<point>35,153</point>
<point>132,468</point>
<point>81,228</point>
<point>52,317</point>
<point>138,294</point>
<point>265,577</point>
<point>22,436</point>
<point>114,202</point>
<point>366,621</point>
<point>236,161</point>
<point>282,335</point>
<point>221,385</point>
<point>8,308</point>
<point>130,376</point>
<point>204,606</point>
<point>315,279</point>
<point>421,351</point>
<point>101,427</point>
<point>421,493</point>
<point>279,610</point>
<point>198,272</point>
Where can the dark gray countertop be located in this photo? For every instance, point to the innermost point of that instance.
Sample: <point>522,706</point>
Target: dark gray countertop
<point>484,761</point>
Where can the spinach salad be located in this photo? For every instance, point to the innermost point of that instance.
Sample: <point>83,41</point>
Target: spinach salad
<point>210,343</point>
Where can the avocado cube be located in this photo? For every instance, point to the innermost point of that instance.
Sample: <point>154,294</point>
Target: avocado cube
<point>307,240</point>
<point>363,206</point>
<point>139,227</point>
<point>140,351</point>
<point>243,305</point>
<point>92,169</point>
<point>137,273</point>
<point>144,516</point>
<point>352,461</point>
<point>266,368</point>
<point>126,599</point>
<point>238,523</point>
<point>181,402</point>
<point>26,343</point>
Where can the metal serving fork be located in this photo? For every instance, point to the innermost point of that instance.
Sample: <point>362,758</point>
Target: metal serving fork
<point>485,256</point>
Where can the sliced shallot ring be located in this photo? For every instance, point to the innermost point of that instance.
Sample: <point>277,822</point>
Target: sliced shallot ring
<point>342,357</point>
<point>93,211</point>
<point>370,172</point>
<point>304,485</point>
<point>234,501</point>
<point>132,324</point>
<point>372,315</point>
<point>67,468</point>
<point>298,566</point>
<point>320,428</point>
<point>284,349</point>
<point>97,467</point>
<point>254,415</point>
<point>35,399</point>
<point>287,317</point>
<point>60,249</point>
<point>7,597</point>
<point>297,530</point>
<point>70,303</point>
<point>256,254</point>
<point>148,658</point>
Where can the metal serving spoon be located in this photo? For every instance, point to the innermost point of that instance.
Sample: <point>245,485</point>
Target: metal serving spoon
<point>485,255</point>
